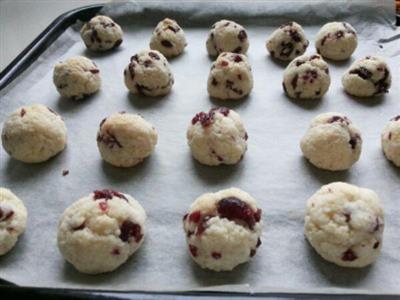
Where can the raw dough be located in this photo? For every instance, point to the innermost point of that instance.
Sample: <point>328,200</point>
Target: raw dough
<point>217,137</point>
<point>287,42</point>
<point>13,217</point>
<point>101,33</point>
<point>77,77</point>
<point>336,40</point>
<point>124,140</point>
<point>306,77</point>
<point>230,77</point>
<point>227,36</point>
<point>149,74</point>
<point>223,229</point>
<point>391,140</point>
<point>344,224</point>
<point>332,142</point>
<point>367,77</point>
<point>98,233</point>
<point>168,38</point>
<point>34,134</point>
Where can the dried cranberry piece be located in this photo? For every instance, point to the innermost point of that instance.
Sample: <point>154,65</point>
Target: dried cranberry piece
<point>235,209</point>
<point>353,141</point>
<point>376,245</point>
<point>107,194</point>
<point>23,112</point>
<point>295,35</point>
<point>103,206</point>
<point>94,71</point>
<point>135,58</point>
<point>147,63</point>
<point>382,85</point>
<point>173,29</point>
<point>230,85</point>
<point>315,57</point>
<point>216,255</point>
<point>348,217</point>
<point>287,49</point>
<point>349,255</point>
<point>246,136</point>
<point>193,250</point>
<point>154,55</point>
<point>109,139</point>
<point>323,41</point>
<point>339,34</point>
<point>252,252</point>
<point>130,229</point>
<point>299,63</point>
<point>362,72</point>
<point>242,35</point>
<point>378,224</point>
<point>339,119</point>
<point>238,58</point>
<point>226,24</point>
<point>214,81</point>
<point>166,44</point>
<point>195,216</point>
<point>115,251</point>
<point>224,63</point>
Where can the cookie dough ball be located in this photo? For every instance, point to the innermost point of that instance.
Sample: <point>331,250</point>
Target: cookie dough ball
<point>332,142</point>
<point>230,77</point>
<point>217,137</point>
<point>124,140</point>
<point>227,36</point>
<point>13,216</point>
<point>306,77</point>
<point>149,74</point>
<point>168,38</point>
<point>101,33</point>
<point>391,140</point>
<point>344,224</point>
<point>223,229</point>
<point>98,233</point>
<point>367,77</point>
<point>336,40</point>
<point>287,42</point>
<point>34,134</point>
<point>77,77</point>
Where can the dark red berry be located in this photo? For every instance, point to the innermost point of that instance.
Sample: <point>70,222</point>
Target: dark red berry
<point>216,255</point>
<point>238,58</point>
<point>107,194</point>
<point>23,112</point>
<point>195,216</point>
<point>154,55</point>
<point>242,35</point>
<point>103,206</point>
<point>235,209</point>
<point>166,44</point>
<point>130,230</point>
<point>94,71</point>
<point>349,255</point>
<point>193,250</point>
<point>252,252</point>
<point>376,245</point>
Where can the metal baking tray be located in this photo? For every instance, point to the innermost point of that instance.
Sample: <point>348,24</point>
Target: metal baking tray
<point>12,71</point>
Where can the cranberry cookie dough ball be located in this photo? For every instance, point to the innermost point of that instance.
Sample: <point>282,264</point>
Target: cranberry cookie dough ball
<point>227,36</point>
<point>366,77</point>
<point>149,74</point>
<point>332,142</point>
<point>230,77</point>
<point>124,140</point>
<point>168,38</point>
<point>217,137</point>
<point>223,229</point>
<point>13,217</point>
<point>344,224</point>
<point>98,233</point>
<point>34,134</point>
<point>306,77</point>
<point>77,77</point>
<point>287,42</point>
<point>391,140</point>
<point>101,33</point>
<point>336,40</point>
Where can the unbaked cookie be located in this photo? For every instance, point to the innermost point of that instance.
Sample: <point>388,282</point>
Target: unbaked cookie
<point>332,142</point>
<point>168,38</point>
<point>77,77</point>
<point>99,232</point>
<point>227,36</point>
<point>306,77</point>
<point>149,74</point>
<point>336,40</point>
<point>287,42</point>
<point>223,229</point>
<point>367,77</point>
<point>391,140</point>
<point>34,134</point>
<point>13,217</point>
<point>124,140</point>
<point>101,33</point>
<point>230,77</point>
<point>217,137</point>
<point>344,224</point>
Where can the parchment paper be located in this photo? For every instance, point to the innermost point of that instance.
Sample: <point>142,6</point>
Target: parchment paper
<point>273,169</point>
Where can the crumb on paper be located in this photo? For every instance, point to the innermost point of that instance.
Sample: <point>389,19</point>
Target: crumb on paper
<point>65,172</point>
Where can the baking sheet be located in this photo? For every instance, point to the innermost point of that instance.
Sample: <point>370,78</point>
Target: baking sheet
<point>273,170</point>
